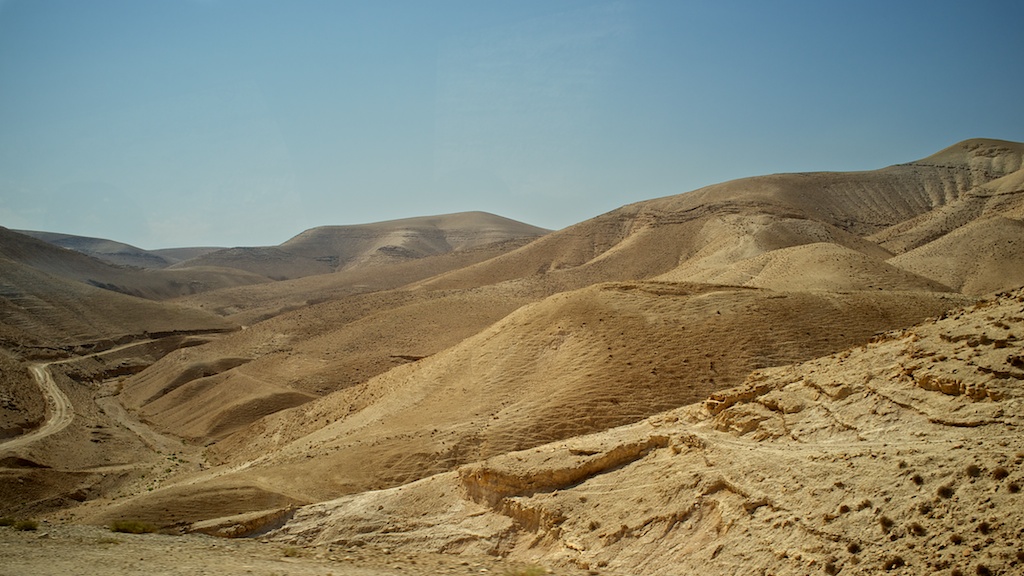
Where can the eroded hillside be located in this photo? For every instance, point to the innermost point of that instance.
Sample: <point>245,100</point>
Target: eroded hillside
<point>903,455</point>
<point>463,387</point>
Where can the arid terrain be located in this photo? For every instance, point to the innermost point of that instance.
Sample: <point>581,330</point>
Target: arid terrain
<point>786,374</point>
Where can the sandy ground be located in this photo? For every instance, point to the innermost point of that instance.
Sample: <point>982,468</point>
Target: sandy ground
<point>89,550</point>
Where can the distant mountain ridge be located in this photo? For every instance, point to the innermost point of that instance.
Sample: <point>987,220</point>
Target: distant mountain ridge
<point>319,250</point>
<point>328,249</point>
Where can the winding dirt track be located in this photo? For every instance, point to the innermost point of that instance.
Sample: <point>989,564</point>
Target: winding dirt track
<point>59,412</point>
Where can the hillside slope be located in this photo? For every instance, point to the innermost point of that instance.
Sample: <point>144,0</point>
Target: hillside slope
<point>110,251</point>
<point>41,314</point>
<point>332,248</point>
<point>383,373</point>
<point>901,456</point>
<point>155,284</point>
<point>571,364</point>
<point>594,326</point>
<point>717,226</point>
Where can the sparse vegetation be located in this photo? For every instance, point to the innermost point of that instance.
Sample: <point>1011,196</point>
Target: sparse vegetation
<point>1000,473</point>
<point>945,491</point>
<point>973,470</point>
<point>7,521</point>
<point>917,529</point>
<point>886,523</point>
<point>894,562</point>
<point>917,479</point>
<point>26,525</point>
<point>132,527</point>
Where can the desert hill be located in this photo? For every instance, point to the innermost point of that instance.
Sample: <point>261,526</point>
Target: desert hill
<point>902,456</point>
<point>412,361</point>
<point>333,248</point>
<point>720,225</point>
<point>254,303</point>
<point>154,284</point>
<point>108,250</point>
<point>43,315</point>
<point>497,384</point>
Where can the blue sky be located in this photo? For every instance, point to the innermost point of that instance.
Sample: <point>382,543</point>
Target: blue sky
<point>243,122</point>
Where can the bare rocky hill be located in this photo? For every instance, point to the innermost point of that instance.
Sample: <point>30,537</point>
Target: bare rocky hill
<point>110,251</point>
<point>333,248</point>
<point>569,399</point>
<point>72,265</point>
<point>901,456</point>
<point>584,356</point>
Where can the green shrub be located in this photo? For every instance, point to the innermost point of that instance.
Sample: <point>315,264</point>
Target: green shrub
<point>132,527</point>
<point>26,525</point>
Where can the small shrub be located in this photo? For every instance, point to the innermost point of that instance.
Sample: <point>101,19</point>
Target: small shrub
<point>917,529</point>
<point>831,569</point>
<point>984,527</point>
<point>1000,473</point>
<point>945,491</point>
<point>973,470</point>
<point>7,521</point>
<point>853,548</point>
<point>983,570</point>
<point>132,527</point>
<point>1013,487</point>
<point>844,509</point>
<point>893,562</point>
<point>917,479</point>
<point>924,508</point>
<point>886,523</point>
<point>956,539</point>
<point>26,525</point>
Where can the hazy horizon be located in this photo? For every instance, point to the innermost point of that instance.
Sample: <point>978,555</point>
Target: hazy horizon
<point>229,123</point>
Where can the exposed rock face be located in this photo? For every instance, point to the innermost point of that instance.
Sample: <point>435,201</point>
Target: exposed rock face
<point>902,454</point>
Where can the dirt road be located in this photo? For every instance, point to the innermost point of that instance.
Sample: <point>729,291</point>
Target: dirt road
<point>59,412</point>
